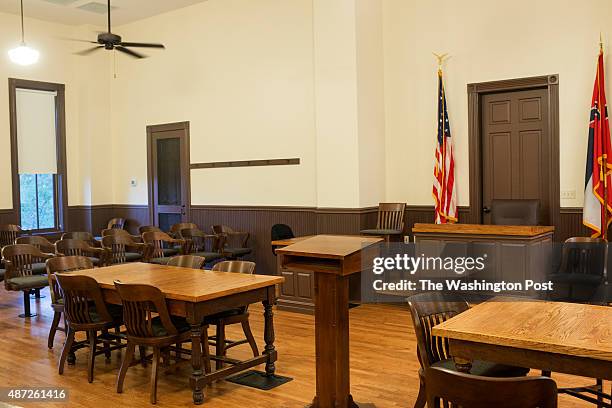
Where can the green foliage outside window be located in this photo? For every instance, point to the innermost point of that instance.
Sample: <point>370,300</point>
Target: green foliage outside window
<point>37,194</point>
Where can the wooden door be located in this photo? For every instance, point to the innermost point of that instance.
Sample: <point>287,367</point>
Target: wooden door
<point>516,149</point>
<point>169,175</point>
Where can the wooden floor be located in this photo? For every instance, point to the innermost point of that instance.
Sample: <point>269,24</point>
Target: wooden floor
<point>383,363</point>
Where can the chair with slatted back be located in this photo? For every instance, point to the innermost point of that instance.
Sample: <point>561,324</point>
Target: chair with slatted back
<point>123,233</point>
<point>86,311</point>
<point>175,229</point>
<point>430,309</point>
<point>20,260</point>
<point>58,265</point>
<point>235,243</point>
<point>449,388</point>
<point>390,221</point>
<point>84,236</point>
<point>203,244</point>
<point>280,232</point>
<point>68,247</point>
<point>159,243</point>
<point>149,324</point>
<point>8,235</point>
<point>116,223</point>
<point>235,316</point>
<point>187,261</point>
<point>41,243</point>
<point>123,249</point>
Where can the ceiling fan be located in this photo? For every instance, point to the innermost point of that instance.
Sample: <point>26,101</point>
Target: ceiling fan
<point>112,41</point>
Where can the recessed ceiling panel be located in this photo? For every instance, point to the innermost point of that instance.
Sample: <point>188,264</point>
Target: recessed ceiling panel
<point>95,7</point>
<point>61,2</point>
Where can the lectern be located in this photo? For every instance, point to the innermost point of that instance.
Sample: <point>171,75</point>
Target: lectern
<point>332,259</point>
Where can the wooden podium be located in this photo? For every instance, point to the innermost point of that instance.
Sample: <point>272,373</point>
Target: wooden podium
<point>332,259</point>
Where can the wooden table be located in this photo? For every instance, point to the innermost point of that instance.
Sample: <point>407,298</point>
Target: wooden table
<point>194,294</point>
<point>551,336</point>
<point>332,259</point>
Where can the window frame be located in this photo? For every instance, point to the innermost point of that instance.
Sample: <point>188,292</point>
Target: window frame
<point>60,179</point>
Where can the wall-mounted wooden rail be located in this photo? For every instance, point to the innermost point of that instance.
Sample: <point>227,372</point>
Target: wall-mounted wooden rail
<point>245,163</point>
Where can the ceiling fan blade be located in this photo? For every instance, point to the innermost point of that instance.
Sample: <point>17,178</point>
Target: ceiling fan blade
<point>89,50</point>
<point>130,52</point>
<point>77,40</point>
<point>143,45</point>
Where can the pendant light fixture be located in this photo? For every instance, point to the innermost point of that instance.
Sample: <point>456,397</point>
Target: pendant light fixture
<point>23,55</point>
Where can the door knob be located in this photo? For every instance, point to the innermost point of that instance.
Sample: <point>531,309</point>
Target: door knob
<point>486,210</point>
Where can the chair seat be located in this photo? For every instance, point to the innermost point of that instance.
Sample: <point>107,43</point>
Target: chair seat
<point>237,251</point>
<point>94,260</point>
<point>212,319</point>
<point>179,322</point>
<point>577,278</point>
<point>209,256</point>
<point>28,282</point>
<point>159,261</point>
<point>132,256</point>
<point>486,368</point>
<point>2,272</point>
<point>380,232</point>
<point>170,251</point>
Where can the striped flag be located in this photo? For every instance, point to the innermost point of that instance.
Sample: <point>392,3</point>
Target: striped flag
<point>444,191</point>
<point>595,213</point>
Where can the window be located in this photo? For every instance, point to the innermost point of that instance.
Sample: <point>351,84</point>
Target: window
<point>37,135</point>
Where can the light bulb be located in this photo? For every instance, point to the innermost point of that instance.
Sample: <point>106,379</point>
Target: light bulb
<point>24,55</point>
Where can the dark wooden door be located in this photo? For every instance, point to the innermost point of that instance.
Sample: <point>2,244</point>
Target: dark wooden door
<point>516,149</point>
<point>169,181</point>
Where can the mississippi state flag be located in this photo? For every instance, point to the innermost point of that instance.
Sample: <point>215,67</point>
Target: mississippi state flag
<point>597,210</point>
<point>444,191</point>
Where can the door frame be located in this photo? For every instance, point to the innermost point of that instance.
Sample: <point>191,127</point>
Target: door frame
<point>185,166</point>
<point>475,92</point>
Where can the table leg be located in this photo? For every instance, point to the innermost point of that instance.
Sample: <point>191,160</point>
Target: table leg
<point>269,337</point>
<point>197,376</point>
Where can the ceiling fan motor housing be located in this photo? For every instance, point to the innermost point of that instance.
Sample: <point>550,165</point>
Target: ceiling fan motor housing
<point>109,40</point>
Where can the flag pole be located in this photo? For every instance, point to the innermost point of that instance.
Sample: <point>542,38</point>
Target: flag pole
<point>604,227</point>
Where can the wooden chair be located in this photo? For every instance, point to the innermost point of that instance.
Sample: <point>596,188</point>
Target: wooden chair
<point>234,242</point>
<point>187,261</point>
<point>149,324</point>
<point>19,260</point>
<point>69,247</point>
<point>8,234</point>
<point>175,230</point>
<point>446,387</point>
<point>148,228</point>
<point>234,316</point>
<point>390,221</point>
<point>121,232</point>
<point>123,249</point>
<point>159,244</point>
<point>42,244</point>
<point>86,311</point>
<point>116,223</point>
<point>84,236</point>
<point>204,245</point>
<point>58,265</point>
<point>430,309</point>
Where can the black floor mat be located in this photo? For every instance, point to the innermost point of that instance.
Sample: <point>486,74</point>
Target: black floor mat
<point>259,380</point>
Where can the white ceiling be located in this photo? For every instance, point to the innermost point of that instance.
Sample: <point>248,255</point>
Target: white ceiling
<point>68,11</point>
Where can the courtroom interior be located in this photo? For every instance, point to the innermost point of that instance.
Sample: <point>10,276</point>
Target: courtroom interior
<point>207,202</point>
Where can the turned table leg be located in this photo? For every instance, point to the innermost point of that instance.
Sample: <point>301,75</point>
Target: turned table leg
<point>269,337</point>
<point>197,376</point>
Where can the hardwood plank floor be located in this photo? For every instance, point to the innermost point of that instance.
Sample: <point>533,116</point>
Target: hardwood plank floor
<point>383,363</point>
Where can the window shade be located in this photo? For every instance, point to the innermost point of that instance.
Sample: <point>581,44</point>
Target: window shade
<point>36,132</point>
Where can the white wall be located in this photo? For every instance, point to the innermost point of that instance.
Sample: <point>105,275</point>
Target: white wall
<point>487,41</point>
<point>87,102</point>
<point>241,72</point>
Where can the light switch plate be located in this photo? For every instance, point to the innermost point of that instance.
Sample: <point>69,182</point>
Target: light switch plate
<point>568,194</point>
<point>133,182</point>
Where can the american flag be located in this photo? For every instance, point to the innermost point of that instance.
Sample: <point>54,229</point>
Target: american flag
<point>444,191</point>
<point>597,210</point>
